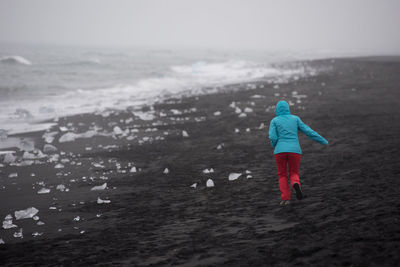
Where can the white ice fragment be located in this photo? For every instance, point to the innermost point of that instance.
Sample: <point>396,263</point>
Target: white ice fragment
<point>49,136</point>
<point>13,175</point>
<point>249,176</point>
<point>262,126</point>
<point>27,213</point>
<point>211,170</point>
<point>247,129</point>
<point>234,176</point>
<point>210,183</point>
<point>217,113</point>
<point>242,115</point>
<point>18,234</point>
<point>68,137</point>
<point>257,96</point>
<point>99,187</point>
<point>35,234</point>
<point>98,165</point>
<point>238,110</point>
<point>237,130</point>
<point>248,110</point>
<point>133,169</point>
<point>276,86</point>
<point>36,218</point>
<point>232,105</point>
<point>40,223</point>
<point>82,232</point>
<point>63,129</point>
<point>248,172</point>
<point>1,241</point>
<point>59,166</point>
<point>44,191</point>
<point>52,208</point>
<point>194,185</point>
<point>185,134</point>
<point>220,146</point>
<point>117,130</point>
<point>9,158</point>
<point>101,201</point>
<point>166,171</point>
<point>49,148</point>
<point>61,187</point>
<point>77,218</point>
<point>7,223</point>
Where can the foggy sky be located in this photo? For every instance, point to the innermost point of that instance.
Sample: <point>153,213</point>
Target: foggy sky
<point>339,25</point>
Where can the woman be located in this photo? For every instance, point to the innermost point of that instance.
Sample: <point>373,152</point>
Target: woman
<point>283,136</point>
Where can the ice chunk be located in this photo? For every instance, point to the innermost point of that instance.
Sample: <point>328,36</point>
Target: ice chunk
<point>237,130</point>
<point>49,137</point>
<point>40,223</point>
<point>249,176</point>
<point>133,169</point>
<point>49,148</point>
<point>35,234</point>
<point>117,130</point>
<point>68,137</point>
<point>166,171</point>
<point>59,166</point>
<point>98,165</point>
<point>220,146</point>
<point>36,218</point>
<point>211,170</point>
<point>185,134</point>
<point>248,172</point>
<point>217,113</point>
<point>25,214</point>
<point>18,234</point>
<point>242,115</point>
<point>44,191</point>
<point>238,110</point>
<point>9,158</point>
<point>210,183</point>
<point>99,187</point>
<point>63,128</point>
<point>101,201</point>
<point>61,187</point>
<point>7,223</point>
<point>247,129</point>
<point>248,110</point>
<point>192,186</point>
<point>77,218</point>
<point>234,176</point>
<point>262,126</point>
<point>232,105</point>
<point>26,145</point>
<point>257,96</point>
<point>13,175</point>
<point>1,241</point>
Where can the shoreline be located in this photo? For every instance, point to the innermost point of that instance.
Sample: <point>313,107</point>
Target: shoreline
<point>157,218</point>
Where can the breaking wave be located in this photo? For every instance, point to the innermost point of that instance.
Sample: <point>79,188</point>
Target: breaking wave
<point>15,60</point>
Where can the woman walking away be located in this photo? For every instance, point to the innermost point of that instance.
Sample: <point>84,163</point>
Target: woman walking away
<point>283,136</point>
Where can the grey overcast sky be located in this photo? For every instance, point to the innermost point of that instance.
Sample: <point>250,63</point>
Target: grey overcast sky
<point>343,25</point>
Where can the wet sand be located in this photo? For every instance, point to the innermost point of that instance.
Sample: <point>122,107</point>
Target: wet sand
<point>350,215</point>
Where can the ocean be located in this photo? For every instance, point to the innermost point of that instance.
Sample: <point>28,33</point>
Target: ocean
<point>40,83</point>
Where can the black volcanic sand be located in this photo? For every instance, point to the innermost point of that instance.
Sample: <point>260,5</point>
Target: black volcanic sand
<point>350,215</point>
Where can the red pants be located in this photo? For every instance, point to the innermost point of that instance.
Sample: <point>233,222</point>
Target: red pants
<point>282,160</point>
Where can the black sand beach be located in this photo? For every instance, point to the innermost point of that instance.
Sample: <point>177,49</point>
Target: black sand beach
<point>350,216</point>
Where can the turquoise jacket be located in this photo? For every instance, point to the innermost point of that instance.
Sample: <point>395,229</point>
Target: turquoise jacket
<point>283,130</point>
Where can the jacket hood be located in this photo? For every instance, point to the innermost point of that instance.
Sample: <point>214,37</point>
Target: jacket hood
<point>282,108</point>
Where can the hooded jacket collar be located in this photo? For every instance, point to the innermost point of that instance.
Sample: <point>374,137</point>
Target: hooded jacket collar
<point>282,108</point>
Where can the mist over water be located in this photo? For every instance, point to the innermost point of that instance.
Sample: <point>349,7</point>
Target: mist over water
<point>44,82</point>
